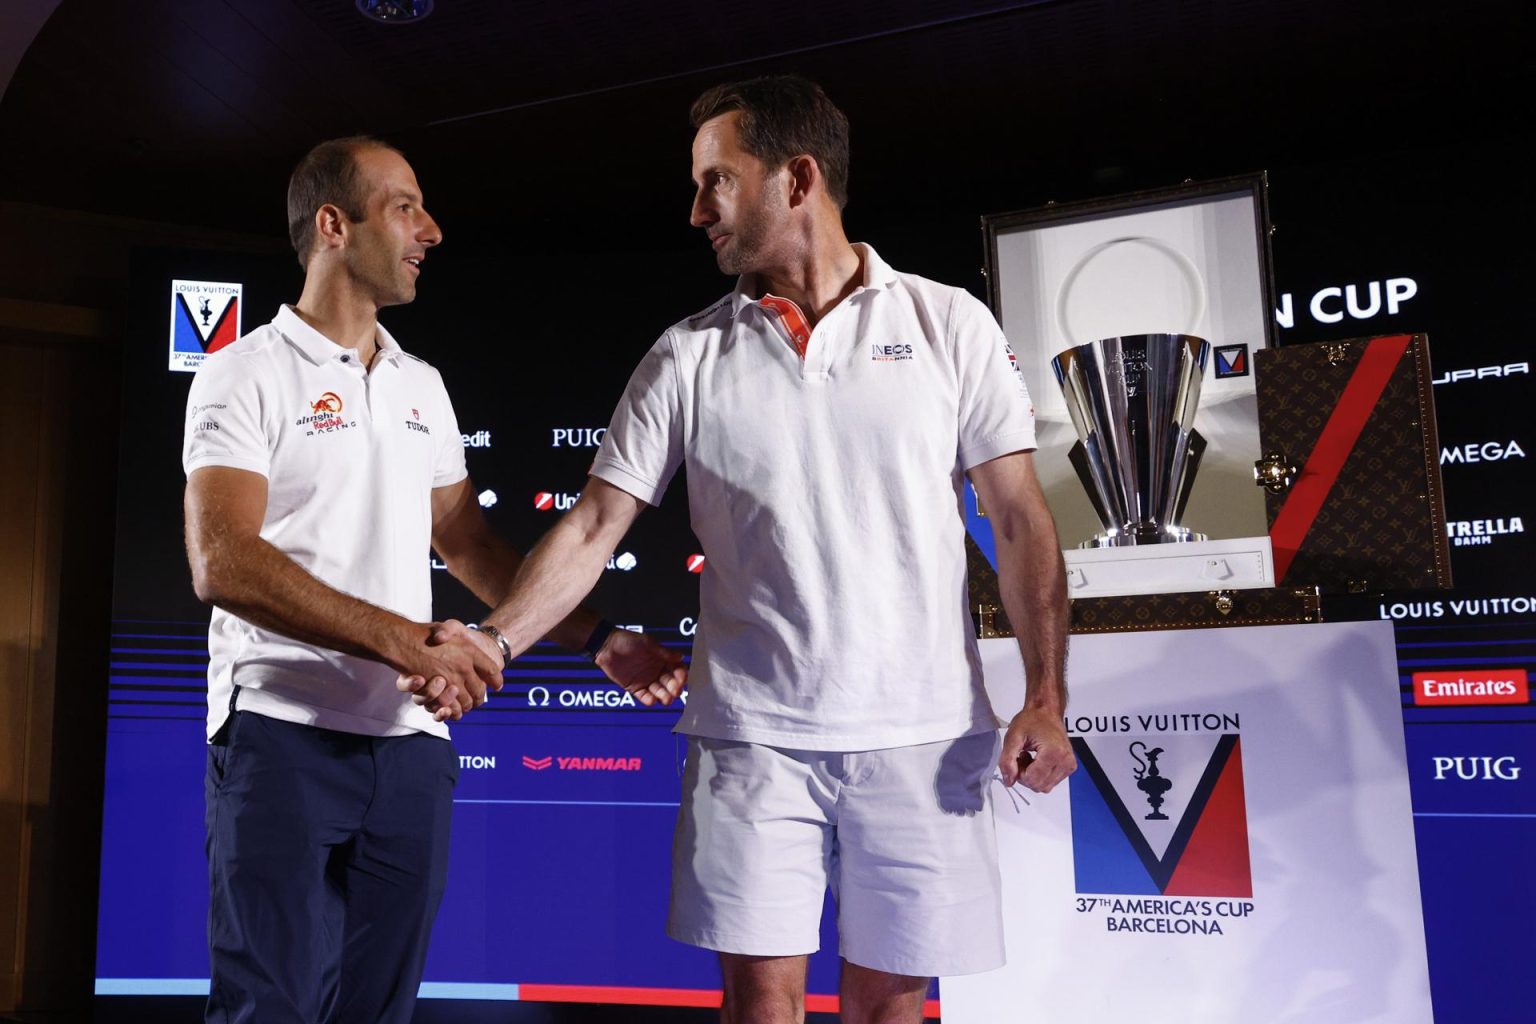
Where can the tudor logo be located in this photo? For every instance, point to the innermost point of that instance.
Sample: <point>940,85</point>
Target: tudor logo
<point>1472,686</point>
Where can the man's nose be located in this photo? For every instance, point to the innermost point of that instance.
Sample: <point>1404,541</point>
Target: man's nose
<point>703,214</point>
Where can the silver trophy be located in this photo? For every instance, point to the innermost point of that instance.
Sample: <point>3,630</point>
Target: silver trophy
<point>1133,400</point>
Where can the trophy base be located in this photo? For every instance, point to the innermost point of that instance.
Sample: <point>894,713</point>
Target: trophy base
<point>1163,535</point>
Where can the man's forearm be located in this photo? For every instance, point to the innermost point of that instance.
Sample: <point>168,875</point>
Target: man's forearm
<point>561,570</point>
<point>250,578</point>
<point>488,568</point>
<point>1033,584</point>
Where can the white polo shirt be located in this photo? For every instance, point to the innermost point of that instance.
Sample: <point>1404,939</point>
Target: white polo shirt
<point>826,490</point>
<point>351,458</point>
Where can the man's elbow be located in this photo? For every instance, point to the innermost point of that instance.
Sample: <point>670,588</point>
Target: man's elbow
<point>207,582</point>
<point>211,577</point>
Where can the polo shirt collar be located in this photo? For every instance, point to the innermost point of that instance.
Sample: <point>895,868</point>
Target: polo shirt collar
<point>319,349</point>
<point>877,274</point>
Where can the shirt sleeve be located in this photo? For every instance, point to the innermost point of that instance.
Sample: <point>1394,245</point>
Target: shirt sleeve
<point>644,443</point>
<point>448,465</point>
<point>997,415</point>
<point>225,425</point>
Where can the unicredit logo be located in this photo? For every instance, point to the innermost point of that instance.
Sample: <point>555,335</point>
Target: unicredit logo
<point>544,501</point>
<point>695,564</point>
<point>1476,686</point>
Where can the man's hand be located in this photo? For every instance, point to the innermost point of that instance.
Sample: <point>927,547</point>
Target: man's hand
<point>457,666</point>
<point>1040,733</point>
<point>650,672</point>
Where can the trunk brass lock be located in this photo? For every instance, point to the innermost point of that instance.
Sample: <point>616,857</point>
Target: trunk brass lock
<point>1274,472</point>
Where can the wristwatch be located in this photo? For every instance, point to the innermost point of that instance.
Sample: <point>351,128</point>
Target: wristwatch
<point>501,641</point>
<point>600,634</point>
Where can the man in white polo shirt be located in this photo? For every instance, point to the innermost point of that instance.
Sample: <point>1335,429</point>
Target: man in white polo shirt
<point>828,411</point>
<point>323,465</point>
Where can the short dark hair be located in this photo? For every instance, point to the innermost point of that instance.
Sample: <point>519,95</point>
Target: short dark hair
<point>782,117</point>
<point>327,174</point>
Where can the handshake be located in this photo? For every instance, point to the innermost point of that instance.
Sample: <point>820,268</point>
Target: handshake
<point>453,669</point>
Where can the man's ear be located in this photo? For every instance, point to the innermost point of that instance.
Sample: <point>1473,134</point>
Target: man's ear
<point>330,230</point>
<point>804,178</point>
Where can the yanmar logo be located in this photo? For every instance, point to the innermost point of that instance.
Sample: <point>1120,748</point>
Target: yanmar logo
<point>1484,686</point>
<point>583,764</point>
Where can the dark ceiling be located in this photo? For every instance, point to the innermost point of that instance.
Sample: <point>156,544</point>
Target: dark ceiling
<point>571,117</point>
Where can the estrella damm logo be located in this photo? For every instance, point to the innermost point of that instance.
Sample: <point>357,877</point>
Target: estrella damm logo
<point>1160,814</point>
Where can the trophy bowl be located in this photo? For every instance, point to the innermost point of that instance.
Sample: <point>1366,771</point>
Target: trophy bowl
<point>1132,401</point>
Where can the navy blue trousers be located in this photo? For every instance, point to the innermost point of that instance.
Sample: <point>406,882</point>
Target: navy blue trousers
<point>327,859</point>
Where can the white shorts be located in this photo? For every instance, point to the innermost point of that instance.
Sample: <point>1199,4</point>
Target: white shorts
<point>904,837</point>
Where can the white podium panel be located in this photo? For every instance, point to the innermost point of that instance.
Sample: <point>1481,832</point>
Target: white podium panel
<point>1236,845</point>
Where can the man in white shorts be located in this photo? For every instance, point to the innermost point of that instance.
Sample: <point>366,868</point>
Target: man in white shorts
<point>828,411</point>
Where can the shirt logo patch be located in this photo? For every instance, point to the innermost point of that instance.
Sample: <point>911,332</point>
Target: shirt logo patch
<point>1013,363</point>
<point>324,416</point>
<point>889,353</point>
<point>328,402</point>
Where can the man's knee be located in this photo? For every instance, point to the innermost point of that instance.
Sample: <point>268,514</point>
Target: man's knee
<point>875,997</point>
<point>762,990</point>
